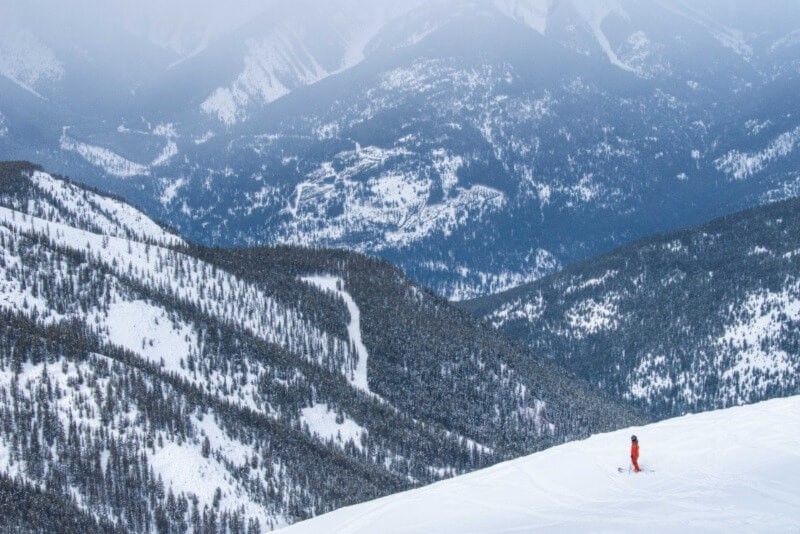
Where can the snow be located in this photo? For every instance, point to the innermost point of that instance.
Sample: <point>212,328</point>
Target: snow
<point>321,420</point>
<point>184,469</point>
<point>215,292</point>
<point>472,283</point>
<point>335,285</point>
<point>3,126</point>
<point>392,207</point>
<point>754,126</point>
<point>288,57</point>
<point>730,38</point>
<point>180,463</point>
<point>742,165</point>
<point>789,40</point>
<point>595,12</point>
<point>26,61</point>
<point>169,151</point>
<point>147,330</point>
<point>733,470</point>
<point>171,191</point>
<point>108,215</point>
<point>532,13</point>
<point>591,316</point>
<point>755,334</point>
<point>203,139</point>
<point>111,162</point>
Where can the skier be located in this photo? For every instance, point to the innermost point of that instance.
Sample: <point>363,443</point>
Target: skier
<point>635,453</point>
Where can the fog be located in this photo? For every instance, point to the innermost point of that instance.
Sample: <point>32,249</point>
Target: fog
<point>179,26</point>
<point>183,26</point>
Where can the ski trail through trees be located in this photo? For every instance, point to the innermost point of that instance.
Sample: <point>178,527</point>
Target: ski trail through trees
<point>334,284</point>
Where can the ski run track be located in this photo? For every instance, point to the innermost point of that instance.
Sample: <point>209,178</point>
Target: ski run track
<point>733,470</point>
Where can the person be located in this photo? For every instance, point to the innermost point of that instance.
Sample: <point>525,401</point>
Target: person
<point>635,453</point>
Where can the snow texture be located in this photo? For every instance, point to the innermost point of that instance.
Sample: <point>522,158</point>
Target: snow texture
<point>733,470</point>
<point>26,61</point>
<point>79,207</point>
<point>334,284</point>
<point>180,464</point>
<point>111,162</point>
<point>532,13</point>
<point>742,165</point>
<point>215,292</point>
<point>322,421</point>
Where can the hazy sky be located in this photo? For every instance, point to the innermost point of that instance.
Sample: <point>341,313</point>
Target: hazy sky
<point>184,25</point>
<point>180,25</point>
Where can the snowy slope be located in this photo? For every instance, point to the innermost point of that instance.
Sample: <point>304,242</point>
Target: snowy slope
<point>236,380</point>
<point>698,319</point>
<point>733,470</point>
<point>333,284</point>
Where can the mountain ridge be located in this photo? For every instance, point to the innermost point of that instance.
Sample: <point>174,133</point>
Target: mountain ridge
<point>689,320</point>
<point>457,124</point>
<point>224,386</point>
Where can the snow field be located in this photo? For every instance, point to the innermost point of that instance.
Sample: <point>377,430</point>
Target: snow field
<point>216,292</point>
<point>733,470</point>
<point>110,216</point>
<point>322,422</point>
<point>358,374</point>
<point>180,464</point>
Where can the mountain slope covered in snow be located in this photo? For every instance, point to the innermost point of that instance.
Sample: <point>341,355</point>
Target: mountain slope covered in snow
<point>696,319</point>
<point>479,145</point>
<point>732,470</point>
<point>150,381</point>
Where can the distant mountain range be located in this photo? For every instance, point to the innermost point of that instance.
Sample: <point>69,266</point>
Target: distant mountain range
<point>151,384</point>
<point>478,145</point>
<point>697,319</point>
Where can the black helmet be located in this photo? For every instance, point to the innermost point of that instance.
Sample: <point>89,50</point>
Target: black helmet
<point>634,438</point>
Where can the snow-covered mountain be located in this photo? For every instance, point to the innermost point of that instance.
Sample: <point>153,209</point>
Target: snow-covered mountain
<point>697,319</point>
<point>733,470</point>
<point>157,385</point>
<point>479,145</point>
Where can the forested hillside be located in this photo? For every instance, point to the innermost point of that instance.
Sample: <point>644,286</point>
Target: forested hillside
<point>697,319</point>
<point>156,385</point>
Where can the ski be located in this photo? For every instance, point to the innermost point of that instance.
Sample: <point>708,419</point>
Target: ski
<point>629,470</point>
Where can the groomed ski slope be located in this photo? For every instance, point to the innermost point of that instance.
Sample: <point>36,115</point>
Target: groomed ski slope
<point>734,470</point>
<point>334,284</point>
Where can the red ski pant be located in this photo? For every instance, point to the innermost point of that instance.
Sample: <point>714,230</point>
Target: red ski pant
<point>635,463</point>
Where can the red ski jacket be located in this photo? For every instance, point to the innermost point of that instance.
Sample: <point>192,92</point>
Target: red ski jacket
<point>635,451</point>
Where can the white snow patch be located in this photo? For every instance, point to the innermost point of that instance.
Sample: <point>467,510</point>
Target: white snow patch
<point>218,293</point>
<point>335,285</point>
<point>753,335</point>
<point>169,151</point>
<point>787,41</point>
<point>733,470</point>
<point>532,13</point>
<point>742,165</point>
<point>171,191</point>
<point>754,126</point>
<point>591,316</point>
<point>110,216</point>
<point>110,162</point>
<point>28,62</point>
<point>148,331</point>
<point>595,12</point>
<point>322,421</point>
<point>203,139</point>
<point>730,38</point>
